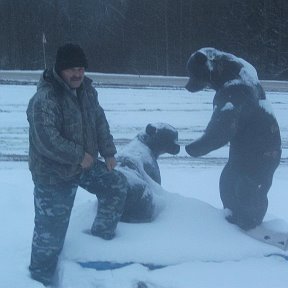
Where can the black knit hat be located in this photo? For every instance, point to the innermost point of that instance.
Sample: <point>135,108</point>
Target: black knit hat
<point>69,56</point>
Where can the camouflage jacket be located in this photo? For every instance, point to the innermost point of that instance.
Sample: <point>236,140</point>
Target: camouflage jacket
<point>62,127</point>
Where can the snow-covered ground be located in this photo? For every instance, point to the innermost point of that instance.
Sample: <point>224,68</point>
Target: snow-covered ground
<point>190,237</point>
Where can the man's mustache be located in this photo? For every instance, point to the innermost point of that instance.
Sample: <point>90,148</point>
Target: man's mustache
<point>76,78</point>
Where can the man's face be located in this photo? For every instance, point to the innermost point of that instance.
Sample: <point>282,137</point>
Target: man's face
<point>73,76</point>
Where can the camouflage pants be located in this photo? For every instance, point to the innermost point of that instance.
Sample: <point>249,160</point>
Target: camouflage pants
<point>111,191</point>
<point>53,205</point>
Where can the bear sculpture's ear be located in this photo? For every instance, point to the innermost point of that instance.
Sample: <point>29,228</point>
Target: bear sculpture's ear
<point>196,60</point>
<point>150,130</point>
<point>200,58</point>
<point>227,70</point>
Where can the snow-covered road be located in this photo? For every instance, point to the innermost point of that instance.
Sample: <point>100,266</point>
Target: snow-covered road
<point>128,112</point>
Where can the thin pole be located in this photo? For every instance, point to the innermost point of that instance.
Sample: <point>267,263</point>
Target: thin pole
<point>44,41</point>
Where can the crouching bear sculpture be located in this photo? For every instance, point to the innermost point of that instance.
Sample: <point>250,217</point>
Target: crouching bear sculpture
<point>243,117</point>
<point>138,162</point>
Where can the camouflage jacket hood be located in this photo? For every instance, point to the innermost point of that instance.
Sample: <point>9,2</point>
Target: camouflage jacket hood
<point>63,126</point>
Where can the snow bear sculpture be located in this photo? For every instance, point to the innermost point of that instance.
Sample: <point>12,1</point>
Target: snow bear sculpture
<point>242,116</point>
<point>138,162</point>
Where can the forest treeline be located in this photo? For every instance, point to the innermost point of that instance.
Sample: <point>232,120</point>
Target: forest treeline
<point>144,36</point>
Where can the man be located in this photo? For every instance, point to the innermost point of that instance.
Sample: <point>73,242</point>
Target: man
<point>67,129</point>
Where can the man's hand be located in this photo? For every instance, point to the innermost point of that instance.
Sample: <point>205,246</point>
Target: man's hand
<point>110,163</point>
<point>87,162</point>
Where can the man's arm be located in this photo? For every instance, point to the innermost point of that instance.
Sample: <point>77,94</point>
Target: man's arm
<point>44,118</point>
<point>105,139</point>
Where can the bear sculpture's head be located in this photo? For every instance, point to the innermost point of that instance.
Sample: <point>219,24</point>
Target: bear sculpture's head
<point>211,68</point>
<point>162,138</point>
